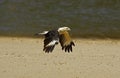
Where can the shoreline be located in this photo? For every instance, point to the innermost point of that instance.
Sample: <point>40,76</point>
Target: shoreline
<point>91,58</point>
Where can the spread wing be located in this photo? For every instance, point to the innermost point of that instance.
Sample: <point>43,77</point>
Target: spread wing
<point>51,39</point>
<point>66,41</point>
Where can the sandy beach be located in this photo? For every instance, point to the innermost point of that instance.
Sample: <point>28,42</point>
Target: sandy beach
<point>91,58</point>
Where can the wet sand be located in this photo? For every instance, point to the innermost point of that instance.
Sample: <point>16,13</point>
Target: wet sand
<point>24,58</point>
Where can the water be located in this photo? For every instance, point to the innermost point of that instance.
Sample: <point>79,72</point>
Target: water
<point>86,18</point>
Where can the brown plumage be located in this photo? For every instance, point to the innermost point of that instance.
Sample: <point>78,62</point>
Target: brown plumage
<point>66,41</point>
<point>53,37</point>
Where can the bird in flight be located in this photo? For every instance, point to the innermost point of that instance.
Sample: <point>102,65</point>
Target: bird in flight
<point>53,37</point>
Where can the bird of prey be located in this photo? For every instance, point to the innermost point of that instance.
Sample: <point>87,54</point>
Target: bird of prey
<point>53,37</point>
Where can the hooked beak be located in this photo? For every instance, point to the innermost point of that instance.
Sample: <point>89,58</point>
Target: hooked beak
<point>68,29</point>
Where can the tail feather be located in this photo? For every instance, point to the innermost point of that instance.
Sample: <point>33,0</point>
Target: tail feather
<point>43,33</point>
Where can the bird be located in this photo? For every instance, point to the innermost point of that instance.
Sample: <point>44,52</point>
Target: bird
<point>55,36</point>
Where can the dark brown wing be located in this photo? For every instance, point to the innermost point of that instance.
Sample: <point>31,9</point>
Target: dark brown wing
<point>66,42</point>
<point>51,39</point>
<point>48,48</point>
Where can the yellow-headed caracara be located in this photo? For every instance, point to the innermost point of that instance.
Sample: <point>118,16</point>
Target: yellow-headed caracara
<point>53,37</point>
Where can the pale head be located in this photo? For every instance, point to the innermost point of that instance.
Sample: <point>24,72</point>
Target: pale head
<point>64,29</point>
